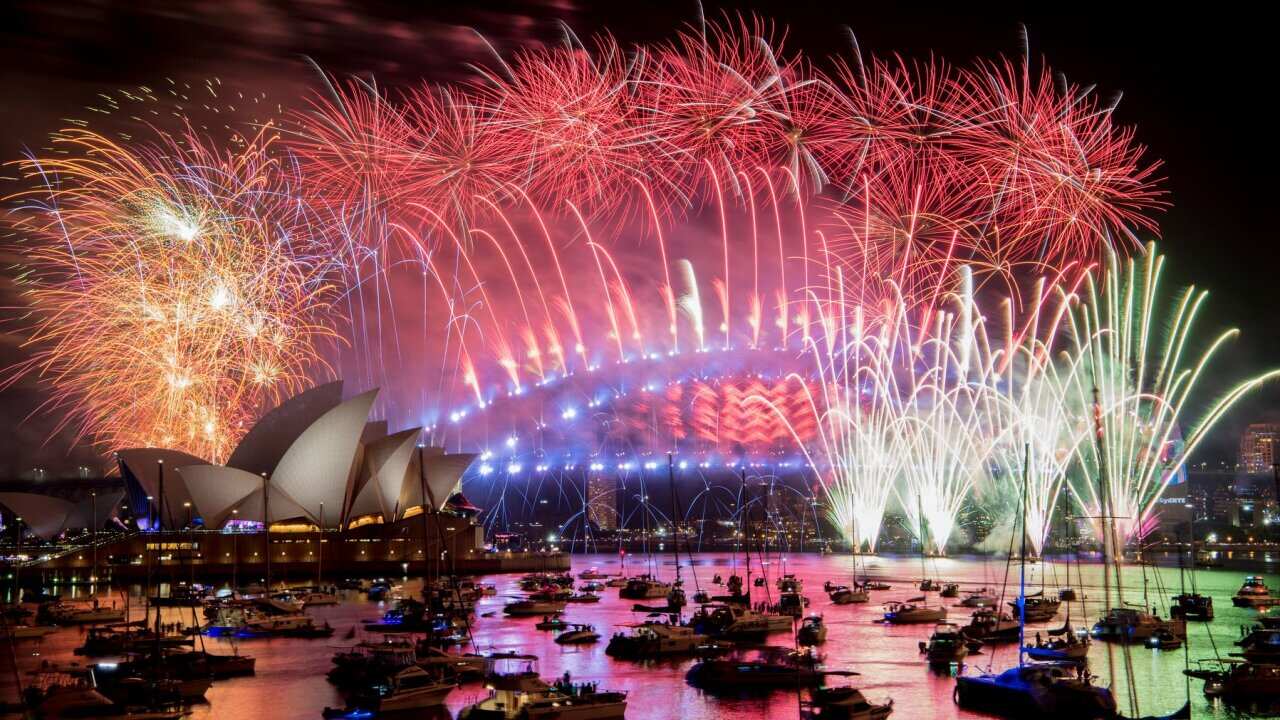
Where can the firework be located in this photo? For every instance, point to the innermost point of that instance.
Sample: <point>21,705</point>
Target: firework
<point>1131,370</point>
<point>173,303</point>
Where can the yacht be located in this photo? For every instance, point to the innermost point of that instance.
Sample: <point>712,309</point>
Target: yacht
<point>950,590</point>
<point>1038,608</point>
<point>650,640</point>
<point>60,613</point>
<point>522,608</point>
<point>841,595</point>
<point>842,703</point>
<point>460,666</point>
<point>790,583</point>
<point>578,635</point>
<point>1270,617</point>
<point>1261,646</point>
<point>992,627</point>
<point>1048,691</point>
<point>1192,606</point>
<point>1064,646</point>
<point>979,599</point>
<point>516,692</point>
<point>772,668</point>
<point>1240,682</point>
<point>737,622</point>
<point>1132,625</point>
<point>644,588</point>
<point>1254,593</point>
<point>61,693</point>
<point>370,660</point>
<point>409,689</point>
<point>905,613</point>
<point>592,573</point>
<point>247,622</point>
<point>813,631</point>
<point>584,597</point>
<point>946,645</point>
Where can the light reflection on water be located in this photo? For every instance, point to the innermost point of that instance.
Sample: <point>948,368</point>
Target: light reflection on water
<point>290,680</point>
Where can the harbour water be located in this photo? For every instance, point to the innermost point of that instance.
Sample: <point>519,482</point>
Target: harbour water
<point>290,680</point>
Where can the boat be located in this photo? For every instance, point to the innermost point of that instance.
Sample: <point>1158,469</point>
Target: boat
<point>251,622</point>
<point>224,666</point>
<point>992,627</point>
<point>1254,593</point>
<point>524,608</point>
<point>1046,691</point>
<point>842,703</point>
<point>1192,606</point>
<point>769,669</point>
<point>979,599</point>
<point>1239,682</point>
<point>409,689</point>
<point>592,573</point>
<point>812,631</point>
<point>28,632</point>
<point>905,613</point>
<point>653,639</point>
<point>791,604</point>
<point>592,587</point>
<point>55,692</point>
<point>317,598</point>
<point>1064,647</point>
<point>869,584</point>
<point>950,590</point>
<point>790,583</point>
<point>370,660</point>
<point>945,646</point>
<point>842,595</point>
<point>1067,594</point>
<point>1262,645</point>
<point>583,598</point>
<point>644,587</point>
<point>928,585</point>
<point>1270,617</point>
<point>516,692</point>
<point>1163,639</point>
<point>578,635</point>
<point>127,637</point>
<point>60,613</point>
<point>182,595</point>
<point>616,581</point>
<point>736,622</point>
<point>1131,625</point>
<point>1038,608</point>
<point>551,622</point>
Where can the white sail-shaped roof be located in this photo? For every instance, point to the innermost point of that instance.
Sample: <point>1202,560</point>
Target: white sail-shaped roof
<point>319,466</point>
<point>144,464</point>
<point>44,515</point>
<point>262,448</point>
<point>444,473</point>
<point>94,512</point>
<point>388,464</point>
<point>217,490</point>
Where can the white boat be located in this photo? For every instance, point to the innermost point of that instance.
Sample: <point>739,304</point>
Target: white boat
<point>653,640</point>
<point>516,692</point>
<point>68,614</point>
<point>318,598</point>
<point>842,595</point>
<point>616,582</point>
<point>1131,625</point>
<point>410,689</point>
<point>735,621</point>
<point>843,703</point>
<point>592,574</point>
<point>578,635</point>
<point>979,599</point>
<point>644,588</point>
<point>246,621</point>
<point>905,613</point>
<point>1254,593</point>
<point>522,608</point>
<point>29,632</point>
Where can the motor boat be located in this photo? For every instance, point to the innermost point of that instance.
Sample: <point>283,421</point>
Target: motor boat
<point>979,599</point>
<point>1131,625</point>
<point>583,598</point>
<point>992,627</point>
<point>649,640</point>
<point>950,590</point>
<point>1254,593</point>
<point>250,622</point>
<point>592,587</point>
<point>842,703</point>
<point>1262,645</point>
<point>592,573</point>
<point>644,588</point>
<point>1063,644</point>
<point>127,637</point>
<point>1270,617</point>
<point>928,585</point>
<point>1239,682</point>
<point>841,595</point>
<point>813,631</point>
<point>1037,608</point>
<point>516,692</point>
<point>551,622</point>
<point>524,608</point>
<point>1192,606</point>
<point>60,613</point>
<point>906,613</point>
<point>54,692</point>
<point>945,646</point>
<point>869,584</point>
<point>616,581</point>
<point>578,635</point>
<point>736,622</point>
<point>1163,639</point>
<point>790,584</point>
<point>791,604</point>
<point>409,689</point>
<point>770,669</point>
<point>181,595</point>
<point>1067,594</point>
<point>28,632</point>
<point>1048,691</point>
<point>455,666</point>
<point>370,660</point>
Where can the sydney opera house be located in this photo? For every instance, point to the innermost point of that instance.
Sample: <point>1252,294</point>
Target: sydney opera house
<point>334,487</point>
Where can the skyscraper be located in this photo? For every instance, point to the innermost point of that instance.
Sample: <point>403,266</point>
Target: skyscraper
<point>1258,447</point>
<point>602,502</point>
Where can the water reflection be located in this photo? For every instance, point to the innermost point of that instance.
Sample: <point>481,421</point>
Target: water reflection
<point>290,679</point>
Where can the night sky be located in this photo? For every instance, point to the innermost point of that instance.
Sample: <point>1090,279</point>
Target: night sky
<point>1195,84</point>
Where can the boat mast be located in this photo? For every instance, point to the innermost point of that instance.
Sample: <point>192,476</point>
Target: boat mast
<point>924,572</point>
<point>675,522</point>
<point>1022,565</point>
<point>746,531</point>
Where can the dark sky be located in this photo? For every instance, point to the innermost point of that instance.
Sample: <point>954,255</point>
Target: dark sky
<point>1195,83</point>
